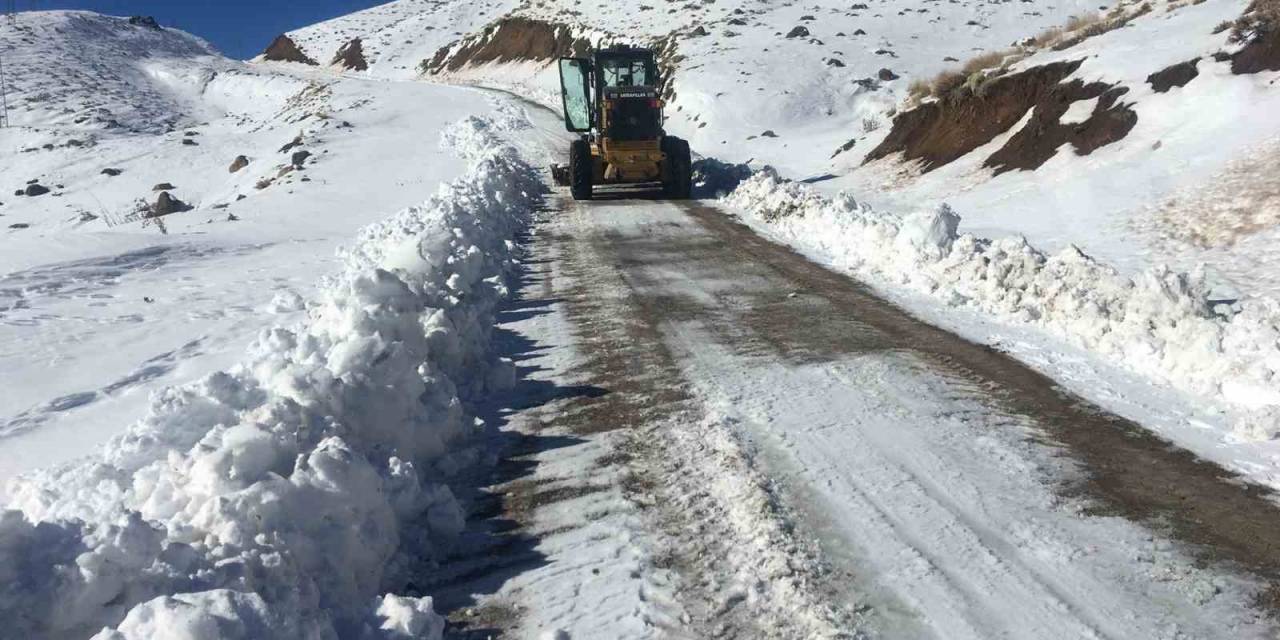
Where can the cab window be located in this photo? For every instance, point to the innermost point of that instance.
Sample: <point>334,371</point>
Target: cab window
<point>625,73</point>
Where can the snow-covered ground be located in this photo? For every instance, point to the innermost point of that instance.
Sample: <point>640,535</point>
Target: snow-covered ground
<point>95,312</point>
<point>161,478</point>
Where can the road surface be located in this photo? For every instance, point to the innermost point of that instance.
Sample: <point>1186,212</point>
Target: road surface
<point>717,438</point>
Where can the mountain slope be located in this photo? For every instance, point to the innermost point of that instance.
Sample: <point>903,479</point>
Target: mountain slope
<point>125,75</point>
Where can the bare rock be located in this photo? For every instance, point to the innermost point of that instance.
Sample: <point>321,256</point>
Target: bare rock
<point>239,163</point>
<point>798,32</point>
<point>299,158</point>
<point>293,144</point>
<point>167,204</point>
<point>351,56</point>
<point>284,49</point>
<point>163,186</point>
<point>147,22</point>
<point>111,171</point>
<point>36,189</point>
<point>887,75</point>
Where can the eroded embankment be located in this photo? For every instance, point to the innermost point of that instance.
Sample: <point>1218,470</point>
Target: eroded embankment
<point>940,132</point>
<point>511,39</point>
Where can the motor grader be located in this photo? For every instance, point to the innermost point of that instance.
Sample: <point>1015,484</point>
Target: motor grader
<point>612,99</point>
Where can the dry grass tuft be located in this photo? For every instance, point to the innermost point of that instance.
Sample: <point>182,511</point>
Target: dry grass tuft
<point>978,72</point>
<point>988,60</point>
<point>1262,17</point>
<point>1076,23</point>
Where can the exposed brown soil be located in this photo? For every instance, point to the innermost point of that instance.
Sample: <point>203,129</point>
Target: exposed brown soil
<point>512,39</point>
<point>351,56</point>
<point>284,49</point>
<point>1261,54</point>
<point>940,132</point>
<point>1177,75</point>
<point>1041,138</point>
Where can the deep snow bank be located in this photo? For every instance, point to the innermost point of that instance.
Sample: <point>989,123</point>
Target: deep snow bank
<point>1160,324</point>
<point>271,500</point>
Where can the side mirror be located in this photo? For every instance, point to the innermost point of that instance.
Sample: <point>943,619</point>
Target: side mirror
<point>575,93</point>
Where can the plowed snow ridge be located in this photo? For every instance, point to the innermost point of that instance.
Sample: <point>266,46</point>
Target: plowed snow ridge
<point>275,496</point>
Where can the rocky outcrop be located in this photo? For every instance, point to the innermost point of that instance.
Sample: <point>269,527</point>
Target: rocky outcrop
<point>166,204</point>
<point>937,133</point>
<point>147,22</point>
<point>351,56</point>
<point>512,39</point>
<point>239,163</point>
<point>284,49</point>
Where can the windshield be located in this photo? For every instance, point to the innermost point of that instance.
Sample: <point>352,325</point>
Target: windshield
<point>627,72</point>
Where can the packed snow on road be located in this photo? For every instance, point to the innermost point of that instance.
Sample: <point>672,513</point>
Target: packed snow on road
<point>970,329</point>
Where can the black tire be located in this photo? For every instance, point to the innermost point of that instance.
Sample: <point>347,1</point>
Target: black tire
<point>679,183</point>
<point>580,170</point>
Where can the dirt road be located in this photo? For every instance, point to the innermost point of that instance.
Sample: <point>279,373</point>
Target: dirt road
<point>719,438</point>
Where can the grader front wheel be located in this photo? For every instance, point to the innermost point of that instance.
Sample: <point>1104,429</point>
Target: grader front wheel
<point>580,170</point>
<point>679,175</point>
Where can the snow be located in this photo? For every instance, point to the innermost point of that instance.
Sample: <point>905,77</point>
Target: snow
<point>162,482</point>
<point>1160,324</point>
<point>170,307</point>
<point>234,482</point>
<point>935,513</point>
<point>1188,163</point>
<point>1079,111</point>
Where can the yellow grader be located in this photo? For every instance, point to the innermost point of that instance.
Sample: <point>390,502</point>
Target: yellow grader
<point>611,98</point>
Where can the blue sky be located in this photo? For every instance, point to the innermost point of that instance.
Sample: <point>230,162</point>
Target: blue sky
<point>240,28</point>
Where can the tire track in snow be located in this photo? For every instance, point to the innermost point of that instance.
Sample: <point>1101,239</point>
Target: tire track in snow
<point>647,482</point>
<point>715,286</point>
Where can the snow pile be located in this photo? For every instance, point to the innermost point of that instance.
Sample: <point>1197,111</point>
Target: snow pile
<point>271,500</point>
<point>1160,324</point>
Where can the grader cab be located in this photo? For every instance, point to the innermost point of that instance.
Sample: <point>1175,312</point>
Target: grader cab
<point>612,99</point>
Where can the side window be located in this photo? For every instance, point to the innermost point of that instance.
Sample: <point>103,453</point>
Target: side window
<point>574,93</point>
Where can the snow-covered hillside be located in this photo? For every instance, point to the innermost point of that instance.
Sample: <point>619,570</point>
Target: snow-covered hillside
<point>177,485</point>
<point>135,76</point>
<point>100,303</point>
<point>813,88</point>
